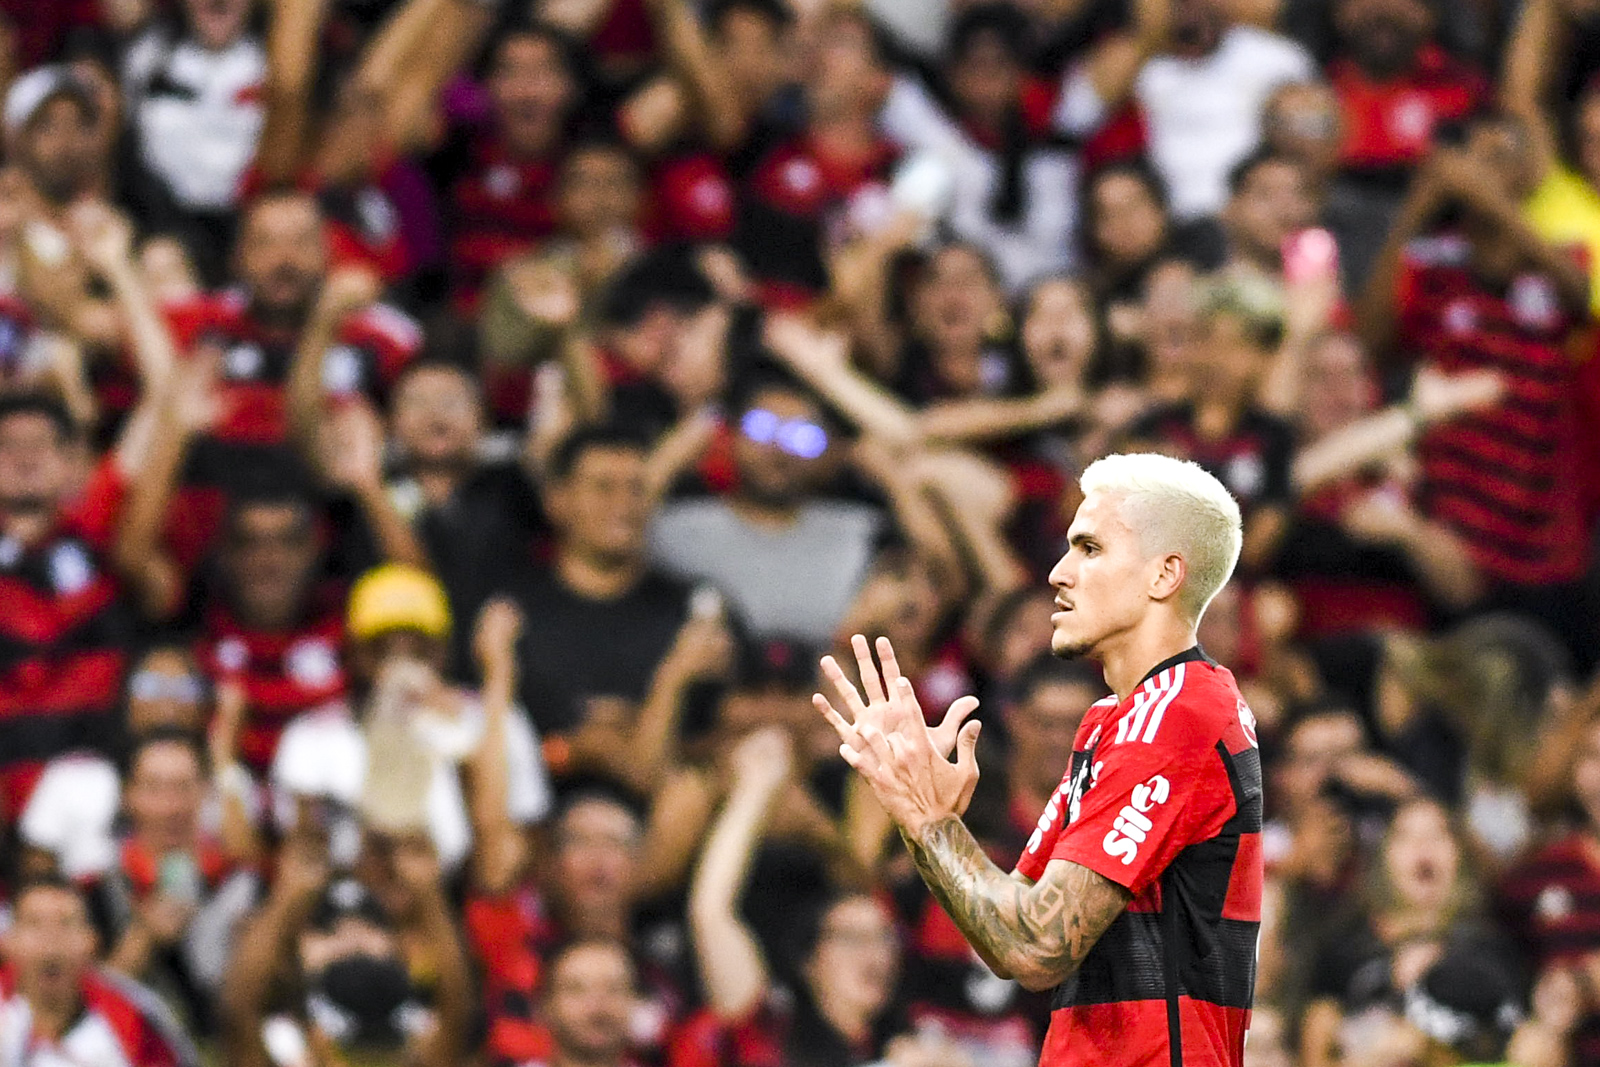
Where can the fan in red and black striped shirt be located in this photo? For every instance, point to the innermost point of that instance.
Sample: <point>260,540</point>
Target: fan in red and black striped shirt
<point>64,630</point>
<point>1509,480</point>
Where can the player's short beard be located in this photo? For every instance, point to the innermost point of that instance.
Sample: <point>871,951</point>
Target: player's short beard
<point>1073,651</point>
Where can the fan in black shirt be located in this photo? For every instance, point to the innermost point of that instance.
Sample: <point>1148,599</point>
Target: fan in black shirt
<point>477,520</point>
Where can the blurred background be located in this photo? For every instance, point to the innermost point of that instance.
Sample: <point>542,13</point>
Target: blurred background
<point>438,439</point>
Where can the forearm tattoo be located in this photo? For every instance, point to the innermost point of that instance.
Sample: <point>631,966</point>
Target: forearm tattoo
<point>1041,931</point>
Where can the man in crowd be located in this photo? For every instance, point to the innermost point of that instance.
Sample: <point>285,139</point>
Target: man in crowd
<point>55,1003</point>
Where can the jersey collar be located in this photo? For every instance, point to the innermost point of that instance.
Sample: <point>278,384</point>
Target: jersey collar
<point>1189,655</point>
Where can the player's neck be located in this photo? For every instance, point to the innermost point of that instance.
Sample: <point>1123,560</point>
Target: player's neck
<point>1127,659</point>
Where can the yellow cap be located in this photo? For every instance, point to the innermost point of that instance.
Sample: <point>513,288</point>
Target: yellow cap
<point>397,596</point>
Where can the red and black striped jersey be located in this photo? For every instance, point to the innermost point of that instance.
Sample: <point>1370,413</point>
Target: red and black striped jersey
<point>64,635</point>
<point>1163,797</point>
<point>1502,478</point>
<point>1550,902</point>
<point>499,207</point>
<point>282,672</point>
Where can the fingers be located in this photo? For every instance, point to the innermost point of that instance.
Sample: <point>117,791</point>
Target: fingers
<point>848,696</point>
<point>870,682</point>
<point>846,732</point>
<point>958,713</point>
<point>967,746</point>
<point>891,666</point>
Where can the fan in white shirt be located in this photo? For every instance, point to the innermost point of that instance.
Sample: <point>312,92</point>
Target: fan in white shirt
<point>1200,84</point>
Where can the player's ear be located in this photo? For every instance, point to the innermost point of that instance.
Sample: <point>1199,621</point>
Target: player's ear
<point>1168,577</point>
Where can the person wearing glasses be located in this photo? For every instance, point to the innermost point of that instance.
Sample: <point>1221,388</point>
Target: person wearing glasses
<point>790,557</point>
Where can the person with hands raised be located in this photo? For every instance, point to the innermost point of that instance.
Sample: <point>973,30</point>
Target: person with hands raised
<point>841,1012</point>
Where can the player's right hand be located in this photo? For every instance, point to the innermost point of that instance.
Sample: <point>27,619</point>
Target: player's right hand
<point>889,707</point>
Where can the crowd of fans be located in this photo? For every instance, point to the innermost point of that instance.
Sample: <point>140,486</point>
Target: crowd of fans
<point>438,439</point>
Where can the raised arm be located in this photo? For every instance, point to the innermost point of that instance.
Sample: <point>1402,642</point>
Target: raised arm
<point>186,407</point>
<point>291,69</point>
<point>416,52</point>
<point>105,240</point>
<point>1377,311</point>
<point>417,868</point>
<point>344,293</point>
<point>350,457</point>
<point>1541,33</point>
<point>822,361</point>
<point>724,115</point>
<point>731,965</point>
<point>1435,398</point>
<point>703,649</point>
<point>1106,80</point>
<point>265,943</point>
<point>499,850</point>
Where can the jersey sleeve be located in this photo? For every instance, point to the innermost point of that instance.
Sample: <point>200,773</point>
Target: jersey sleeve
<point>1147,802</point>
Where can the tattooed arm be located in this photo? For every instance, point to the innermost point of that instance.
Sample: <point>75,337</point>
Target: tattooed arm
<point>1037,933</point>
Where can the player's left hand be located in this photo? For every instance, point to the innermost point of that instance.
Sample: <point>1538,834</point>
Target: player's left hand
<point>916,784</point>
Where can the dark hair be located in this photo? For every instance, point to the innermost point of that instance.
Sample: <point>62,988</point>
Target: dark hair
<point>570,452</point>
<point>165,735</point>
<point>591,788</point>
<point>1325,707</point>
<point>44,405</point>
<point>71,88</point>
<point>664,276</point>
<point>1010,26</point>
<point>94,44</point>
<point>1047,669</point>
<point>516,26</point>
<point>1245,169</point>
<point>269,495</point>
<point>775,12</point>
<point>1139,170</point>
<point>433,361</point>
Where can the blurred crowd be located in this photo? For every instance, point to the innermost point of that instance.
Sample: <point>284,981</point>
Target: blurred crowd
<point>438,439</point>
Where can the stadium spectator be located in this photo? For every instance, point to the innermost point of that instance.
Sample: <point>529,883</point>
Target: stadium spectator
<point>168,904</point>
<point>69,631</point>
<point>1396,84</point>
<point>476,518</point>
<point>403,735</point>
<point>57,1003</point>
<point>602,617</point>
<point>194,84</point>
<point>1199,79</point>
<point>1420,906</point>
<point>1494,477</point>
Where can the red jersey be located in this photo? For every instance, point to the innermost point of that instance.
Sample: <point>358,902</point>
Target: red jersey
<point>1391,123</point>
<point>1501,478</point>
<point>1551,903</point>
<point>64,635</point>
<point>1163,797</point>
<point>371,349</point>
<point>500,207</point>
<point>798,202</point>
<point>283,673</point>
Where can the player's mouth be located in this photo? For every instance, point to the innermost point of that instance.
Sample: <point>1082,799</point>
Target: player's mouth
<point>1061,609</point>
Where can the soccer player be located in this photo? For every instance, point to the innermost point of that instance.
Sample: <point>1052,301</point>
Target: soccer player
<point>1138,897</point>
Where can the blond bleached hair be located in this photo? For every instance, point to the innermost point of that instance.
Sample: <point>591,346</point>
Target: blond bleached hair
<point>1175,507</point>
